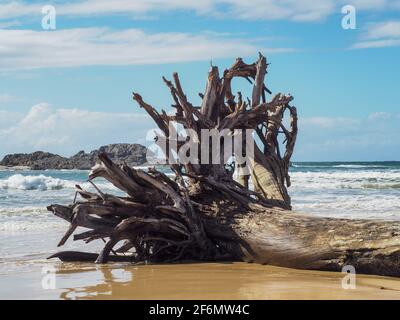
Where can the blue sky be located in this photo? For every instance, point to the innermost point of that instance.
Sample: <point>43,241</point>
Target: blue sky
<point>69,89</point>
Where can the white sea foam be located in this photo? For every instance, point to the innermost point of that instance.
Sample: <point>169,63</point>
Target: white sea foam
<point>336,192</point>
<point>141,167</point>
<point>45,183</point>
<point>355,166</point>
<point>28,211</point>
<point>348,206</point>
<point>27,219</point>
<point>341,166</point>
<point>40,182</point>
<point>346,180</point>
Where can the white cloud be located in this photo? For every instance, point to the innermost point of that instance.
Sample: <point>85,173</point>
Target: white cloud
<point>370,4</point>
<point>4,97</point>
<point>8,119</point>
<point>128,6</point>
<point>380,116</point>
<point>15,9</point>
<point>66,131</point>
<point>295,10</point>
<point>377,44</point>
<point>379,35</point>
<point>389,29</point>
<point>374,137</point>
<point>327,122</point>
<point>304,10</point>
<point>26,49</point>
<point>8,24</point>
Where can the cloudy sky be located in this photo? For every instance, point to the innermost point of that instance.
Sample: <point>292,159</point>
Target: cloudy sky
<point>69,89</point>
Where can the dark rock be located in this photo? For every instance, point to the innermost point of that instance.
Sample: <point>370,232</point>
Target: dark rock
<point>131,154</point>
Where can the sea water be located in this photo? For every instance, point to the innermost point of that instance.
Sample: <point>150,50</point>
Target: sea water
<point>335,189</point>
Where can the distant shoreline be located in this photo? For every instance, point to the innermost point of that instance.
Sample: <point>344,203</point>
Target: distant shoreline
<point>131,154</point>
<point>15,168</point>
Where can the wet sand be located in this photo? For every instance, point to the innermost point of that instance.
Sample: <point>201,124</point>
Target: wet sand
<point>189,281</point>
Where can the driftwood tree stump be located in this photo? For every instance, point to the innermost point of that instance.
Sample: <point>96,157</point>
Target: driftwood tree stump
<point>203,214</point>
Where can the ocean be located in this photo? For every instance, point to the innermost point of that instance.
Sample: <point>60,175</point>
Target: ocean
<point>28,233</point>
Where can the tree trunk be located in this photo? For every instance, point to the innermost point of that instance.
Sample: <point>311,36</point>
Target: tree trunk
<point>290,239</point>
<point>204,214</point>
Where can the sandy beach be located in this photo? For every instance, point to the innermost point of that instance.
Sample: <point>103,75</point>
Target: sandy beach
<point>191,281</point>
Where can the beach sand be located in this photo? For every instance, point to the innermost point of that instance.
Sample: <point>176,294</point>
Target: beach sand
<point>190,281</point>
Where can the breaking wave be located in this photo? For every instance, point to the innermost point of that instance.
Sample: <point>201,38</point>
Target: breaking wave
<point>44,183</point>
<point>27,218</point>
<point>354,165</point>
<point>40,182</point>
<point>346,180</point>
<point>354,190</point>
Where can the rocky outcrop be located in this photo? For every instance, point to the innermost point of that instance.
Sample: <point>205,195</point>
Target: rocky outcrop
<point>131,154</point>
<point>36,160</point>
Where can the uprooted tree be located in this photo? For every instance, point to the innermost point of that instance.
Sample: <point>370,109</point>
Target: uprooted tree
<point>203,213</point>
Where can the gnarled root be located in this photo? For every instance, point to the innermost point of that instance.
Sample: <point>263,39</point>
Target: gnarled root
<point>157,221</point>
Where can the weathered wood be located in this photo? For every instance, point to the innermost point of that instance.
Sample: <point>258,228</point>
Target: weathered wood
<point>204,214</point>
<point>211,95</point>
<point>290,239</point>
